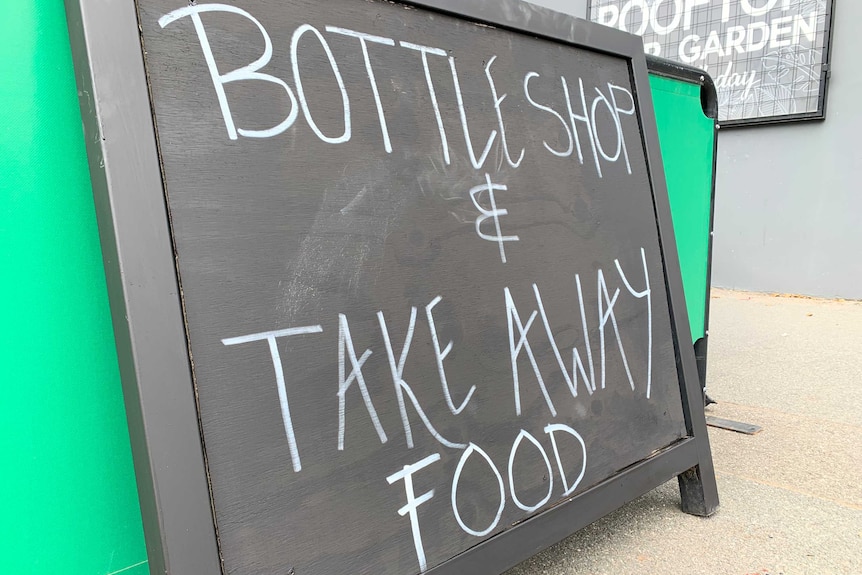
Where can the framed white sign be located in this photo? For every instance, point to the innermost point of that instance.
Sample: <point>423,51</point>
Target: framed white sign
<point>769,58</point>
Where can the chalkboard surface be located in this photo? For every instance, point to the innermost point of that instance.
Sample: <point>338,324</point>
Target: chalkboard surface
<point>416,318</point>
<point>422,284</point>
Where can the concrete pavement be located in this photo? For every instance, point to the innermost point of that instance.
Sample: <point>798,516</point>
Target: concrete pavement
<point>791,496</point>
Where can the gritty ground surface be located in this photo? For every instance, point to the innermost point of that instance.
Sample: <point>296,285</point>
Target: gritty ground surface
<point>791,496</point>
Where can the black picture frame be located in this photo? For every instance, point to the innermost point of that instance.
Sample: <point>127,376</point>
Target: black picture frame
<point>147,307</point>
<point>825,75</point>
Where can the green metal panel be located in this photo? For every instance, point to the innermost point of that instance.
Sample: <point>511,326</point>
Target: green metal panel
<point>687,141</point>
<point>69,502</point>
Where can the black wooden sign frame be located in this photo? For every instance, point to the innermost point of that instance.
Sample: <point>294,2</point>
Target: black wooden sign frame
<point>149,326</point>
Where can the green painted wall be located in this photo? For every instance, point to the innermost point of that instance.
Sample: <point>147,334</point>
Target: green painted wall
<point>687,146</point>
<point>69,503</point>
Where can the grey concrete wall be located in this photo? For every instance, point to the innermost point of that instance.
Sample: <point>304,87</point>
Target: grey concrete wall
<point>573,7</point>
<point>788,215</point>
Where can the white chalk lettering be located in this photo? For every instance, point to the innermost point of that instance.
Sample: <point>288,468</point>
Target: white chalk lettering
<point>613,89</point>
<point>493,213</point>
<point>414,502</point>
<point>514,319</point>
<point>440,355</point>
<point>294,60</point>
<point>363,42</point>
<point>602,99</point>
<point>604,315</point>
<point>550,110</point>
<point>571,381</point>
<point>424,51</point>
<point>551,430</point>
<point>401,386</point>
<point>576,356</point>
<point>270,337</point>
<point>497,101</point>
<point>473,448</point>
<point>645,293</point>
<point>529,508</point>
<point>480,161</point>
<point>585,118</point>
<point>248,72</point>
<point>345,342</point>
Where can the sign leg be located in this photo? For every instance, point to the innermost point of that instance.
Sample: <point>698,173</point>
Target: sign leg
<point>698,491</point>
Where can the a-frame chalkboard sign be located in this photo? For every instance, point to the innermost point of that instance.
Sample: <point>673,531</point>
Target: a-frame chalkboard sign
<point>393,283</point>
